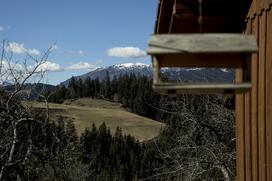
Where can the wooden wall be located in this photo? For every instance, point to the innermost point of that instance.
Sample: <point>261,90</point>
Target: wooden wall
<point>254,109</point>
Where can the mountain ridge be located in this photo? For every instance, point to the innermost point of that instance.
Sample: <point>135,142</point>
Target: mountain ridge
<point>179,74</point>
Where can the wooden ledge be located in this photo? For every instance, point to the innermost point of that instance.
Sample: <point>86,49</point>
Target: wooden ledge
<point>201,43</point>
<point>201,88</point>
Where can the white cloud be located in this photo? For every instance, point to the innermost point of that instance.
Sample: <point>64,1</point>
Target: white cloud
<point>49,67</point>
<point>16,48</point>
<point>10,70</point>
<point>15,72</point>
<point>2,28</point>
<point>81,65</point>
<point>19,48</point>
<point>5,65</point>
<point>46,66</point>
<point>33,51</point>
<point>126,52</point>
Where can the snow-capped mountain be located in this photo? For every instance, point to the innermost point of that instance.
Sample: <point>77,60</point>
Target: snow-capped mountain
<point>181,74</point>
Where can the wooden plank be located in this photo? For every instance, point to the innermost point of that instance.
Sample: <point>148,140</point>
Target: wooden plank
<point>201,88</point>
<point>254,104</point>
<point>253,9</point>
<point>159,14</point>
<point>268,95</point>
<point>164,16</point>
<point>172,18</point>
<point>261,98</point>
<point>201,43</point>
<point>248,124</point>
<point>258,6</point>
<point>248,152</point>
<point>240,130</point>
<point>156,71</point>
<point>219,60</point>
<point>261,5</point>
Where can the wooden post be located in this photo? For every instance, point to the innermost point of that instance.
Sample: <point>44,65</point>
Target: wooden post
<point>156,70</point>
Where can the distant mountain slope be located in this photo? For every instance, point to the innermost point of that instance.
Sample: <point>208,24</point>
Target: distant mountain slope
<point>193,74</point>
<point>31,91</point>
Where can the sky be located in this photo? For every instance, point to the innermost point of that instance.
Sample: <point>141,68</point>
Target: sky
<point>83,34</point>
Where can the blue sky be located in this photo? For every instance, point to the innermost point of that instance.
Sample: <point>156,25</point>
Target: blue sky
<point>87,33</point>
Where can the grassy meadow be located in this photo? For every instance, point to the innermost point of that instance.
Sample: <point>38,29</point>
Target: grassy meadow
<point>84,112</point>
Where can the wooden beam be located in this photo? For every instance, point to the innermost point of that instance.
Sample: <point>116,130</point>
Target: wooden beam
<point>159,14</point>
<point>164,16</point>
<point>269,95</point>
<point>201,43</point>
<point>251,29</point>
<point>240,130</point>
<point>201,88</point>
<point>261,97</point>
<point>156,71</point>
<point>172,17</point>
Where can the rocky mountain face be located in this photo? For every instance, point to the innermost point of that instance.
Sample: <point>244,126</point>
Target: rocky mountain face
<point>176,74</point>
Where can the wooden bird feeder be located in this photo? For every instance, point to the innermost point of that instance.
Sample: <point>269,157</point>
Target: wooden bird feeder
<point>209,50</point>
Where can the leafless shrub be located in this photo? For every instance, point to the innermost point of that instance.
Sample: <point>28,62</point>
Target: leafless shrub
<point>204,146</point>
<point>13,116</point>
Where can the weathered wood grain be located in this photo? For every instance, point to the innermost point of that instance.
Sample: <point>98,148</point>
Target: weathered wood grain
<point>252,28</point>
<point>240,129</point>
<point>201,43</point>
<point>257,7</point>
<point>156,71</point>
<point>268,102</point>
<point>261,97</point>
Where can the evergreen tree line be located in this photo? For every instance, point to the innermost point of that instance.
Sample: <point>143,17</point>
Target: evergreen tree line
<point>132,91</point>
<point>117,157</point>
<point>198,141</point>
<point>58,154</point>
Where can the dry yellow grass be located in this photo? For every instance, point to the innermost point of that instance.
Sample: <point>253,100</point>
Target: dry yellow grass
<point>85,112</point>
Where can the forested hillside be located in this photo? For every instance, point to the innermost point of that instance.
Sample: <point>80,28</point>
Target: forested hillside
<point>197,143</point>
<point>132,91</point>
<point>199,137</point>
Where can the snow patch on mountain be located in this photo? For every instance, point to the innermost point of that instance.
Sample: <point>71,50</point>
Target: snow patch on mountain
<point>131,65</point>
<point>177,74</point>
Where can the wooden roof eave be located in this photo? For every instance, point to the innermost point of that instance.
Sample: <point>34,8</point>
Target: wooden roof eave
<point>172,14</point>
<point>164,13</point>
<point>258,8</point>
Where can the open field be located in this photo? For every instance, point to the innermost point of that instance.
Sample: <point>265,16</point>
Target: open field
<point>84,112</point>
